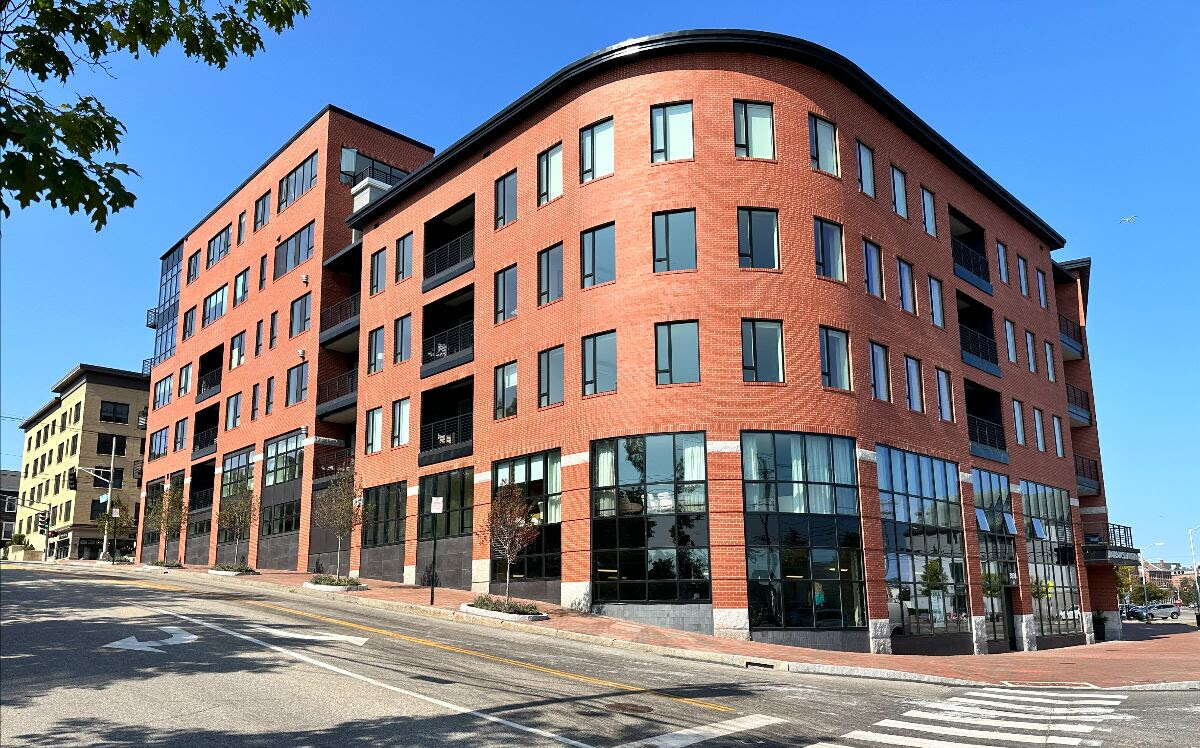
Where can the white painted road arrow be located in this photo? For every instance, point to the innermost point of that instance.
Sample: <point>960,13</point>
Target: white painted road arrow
<point>318,636</point>
<point>178,636</point>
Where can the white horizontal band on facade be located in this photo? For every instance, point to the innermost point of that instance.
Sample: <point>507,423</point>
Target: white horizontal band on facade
<point>483,477</point>
<point>1014,488</point>
<point>576,458</point>
<point>1093,509</point>
<point>256,457</point>
<point>414,490</point>
<point>867,455</point>
<point>1074,502</point>
<point>310,440</point>
<point>715,446</point>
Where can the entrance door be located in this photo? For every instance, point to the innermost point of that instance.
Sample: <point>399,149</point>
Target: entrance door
<point>1009,619</point>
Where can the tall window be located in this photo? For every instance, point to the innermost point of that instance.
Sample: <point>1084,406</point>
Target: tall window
<point>373,431</point>
<point>237,350</point>
<point>241,286</point>
<point>1039,431</point>
<point>506,199</point>
<point>378,276</point>
<point>804,556</point>
<point>908,290</point>
<point>828,239</point>
<point>298,181</point>
<point>262,272</point>
<point>214,306</point>
<point>550,377</point>
<point>822,143</point>
<point>914,391</point>
<point>1056,424</point>
<point>753,130</point>
<point>538,476</point>
<point>597,252</point>
<point>193,266</point>
<point>218,246</point>
<point>899,193</point>
<point>383,514</point>
<point>262,210</point>
<point>400,422</point>
<point>233,411</point>
<point>180,434</point>
<point>301,315</point>
<point>294,250</point>
<point>671,132</point>
<point>1030,351</point>
<point>1048,351</point>
<point>1023,275</point>
<point>866,170</point>
<point>997,552</point>
<point>936,311</point>
<point>504,400</point>
<point>297,384</point>
<point>185,379</point>
<point>1043,301</point>
<point>283,459</point>
<point>162,392</point>
<point>650,519</point>
<point>1018,421</point>
<point>273,329</point>
<point>269,401</point>
<point>600,363</point>
<point>1053,575</point>
<point>945,395</point>
<point>873,268</point>
<point>762,350</point>
<point>1002,261</point>
<point>835,358</point>
<point>881,386</point>
<point>927,212</point>
<point>402,339</point>
<point>375,350</point>
<point>675,240</point>
<point>550,274</point>
<point>189,323</point>
<point>254,399</point>
<point>506,293</point>
<point>456,487</point>
<point>923,542</point>
<point>596,151</point>
<point>258,337</point>
<point>404,256</point>
<point>550,178</point>
<point>758,238</point>
<point>677,352</point>
<point>1010,339</point>
<point>241,228</point>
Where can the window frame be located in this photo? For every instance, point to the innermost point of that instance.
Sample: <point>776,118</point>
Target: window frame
<point>743,120</point>
<point>546,286</point>
<point>587,149</point>
<point>815,145</point>
<point>594,380</point>
<point>588,269</point>
<point>881,380</point>
<point>746,243</point>
<point>665,147</point>
<point>505,199</point>
<point>504,284</point>
<point>545,176</point>
<point>900,195</point>
<point>827,374</point>
<point>668,329</point>
<point>752,325</point>
<point>831,261</point>
<point>546,363</point>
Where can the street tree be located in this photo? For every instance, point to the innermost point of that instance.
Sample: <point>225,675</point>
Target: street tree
<point>235,512</point>
<point>57,147</point>
<point>1125,582</point>
<point>336,508</point>
<point>172,514</point>
<point>1187,593</point>
<point>115,527</point>
<point>509,529</point>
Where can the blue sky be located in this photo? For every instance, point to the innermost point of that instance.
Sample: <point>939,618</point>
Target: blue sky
<point>1086,115</point>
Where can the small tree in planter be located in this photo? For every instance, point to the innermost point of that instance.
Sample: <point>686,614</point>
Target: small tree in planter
<point>172,514</point>
<point>234,514</point>
<point>336,508</point>
<point>510,530</point>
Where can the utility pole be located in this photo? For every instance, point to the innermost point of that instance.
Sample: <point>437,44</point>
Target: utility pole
<point>437,505</point>
<point>112,465</point>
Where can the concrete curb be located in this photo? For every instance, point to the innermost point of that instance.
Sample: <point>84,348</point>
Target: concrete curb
<point>335,587</point>
<point>472,610</point>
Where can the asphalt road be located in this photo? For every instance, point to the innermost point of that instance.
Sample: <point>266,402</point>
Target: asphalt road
<point>89,657</point>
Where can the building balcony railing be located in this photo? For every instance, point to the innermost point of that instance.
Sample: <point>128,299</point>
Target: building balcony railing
<point>987,438</point>
<point>200,499</point>
<point>152,318</point>
<point>448,342</point>
<point>387,176</point>
<point>973,261</point>
<point>208,384</point>
<point>446,432</point>
<point>344,310</point>
<point>1078,397</point>
<point>328,461</point>
<point>204,440</point>
<point>339,386</point>
<point>453,252</point>
<point>1086,467</point>
<point>1113,547</point>
<point>978,344</point>
<point>149,363</point>
<point>1070,328</point>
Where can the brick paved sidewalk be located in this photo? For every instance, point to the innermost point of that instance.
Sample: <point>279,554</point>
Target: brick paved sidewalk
<point>1152,653</point>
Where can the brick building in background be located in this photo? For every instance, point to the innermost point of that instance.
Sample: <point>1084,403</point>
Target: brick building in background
<point>773,359</point>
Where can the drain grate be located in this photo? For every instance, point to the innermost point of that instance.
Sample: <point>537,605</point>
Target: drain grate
<point>624,707</point>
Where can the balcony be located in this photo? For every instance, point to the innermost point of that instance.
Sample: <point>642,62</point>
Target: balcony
<point>208,384</point>
<point>1087,476</point>
<point>1114,547</point>
<point>971,265</point>
<point>1070,334</point>
<point>1079,406</point>
<point>152,318</point>
<point>201,499</point>
<point>448,261</point>
<point>987,438</point>
<point>979,350</point>
<point>389,175</point>
<point>449,348</point>
<point>445,439</point>
<point>339,325</point>
<point>204,443</point>
<point>337,397</point>
<point>328,461</point>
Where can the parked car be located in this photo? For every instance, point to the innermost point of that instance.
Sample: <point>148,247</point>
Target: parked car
<point>1162,610</point>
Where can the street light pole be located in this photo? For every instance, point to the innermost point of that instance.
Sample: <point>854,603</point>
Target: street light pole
<point>112,465</point>
<point>1195,569</point>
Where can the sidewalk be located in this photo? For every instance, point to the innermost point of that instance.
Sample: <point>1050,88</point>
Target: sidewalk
<point>1152,654</point>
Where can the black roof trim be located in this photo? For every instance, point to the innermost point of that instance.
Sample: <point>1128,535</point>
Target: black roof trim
<point>736,40</point>
<point>282,148</point>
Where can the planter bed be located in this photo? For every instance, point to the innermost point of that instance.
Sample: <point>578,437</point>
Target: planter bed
<point>336,587</point>
<point>224,573</point>
<point>467,608</point>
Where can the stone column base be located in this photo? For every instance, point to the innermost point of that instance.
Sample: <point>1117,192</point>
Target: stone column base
<point>576,596</point>
<point>410,574</point>
<point>1026,632</point>
<point>880,632</point>
<point>731,623</point>
<point>481,575</point>
<point>979,640</point>
<point>1114,629</point>
<point>1089,632</point>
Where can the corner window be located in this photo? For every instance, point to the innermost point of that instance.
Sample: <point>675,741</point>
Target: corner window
<point>597,250</point>
<point>753,130</point>
<point>835,358</point>
<point>822,142</point>
<point>378,272</point>
<point>600,363</point>
<point>758,238</point>
<point>881,387</point>
<point>762,350</point>
<point>505,391</point>
<point>677,352</point>
<point>506,294</point>
<point>550,377</point>
<point>671,132</point>
<point>675,240</point>
<point>550,178</point>
<point>550,274</point>
<point>899,193</point>
<point>828,239</point>
<point>866,170</point>
<point>506,199</point>
<point>873,268</point>
<point>596,151</point>
<point>404,256</point>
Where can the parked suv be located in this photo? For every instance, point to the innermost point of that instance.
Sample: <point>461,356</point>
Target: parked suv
<point>1157,610</point>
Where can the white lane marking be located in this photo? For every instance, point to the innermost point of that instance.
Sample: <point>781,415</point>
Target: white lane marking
<point>1033,707</point>
<point>963,732</point>
<point>1010,723</point>
<point>178,636</point>
<point>1037,692</point>
<point>1016,715</point>
<point>700,733</point>
<point>826,745</point>
<point>1040,700</point>
<point>879,737</point>
<point>365,679</point>
<point>319,636</point>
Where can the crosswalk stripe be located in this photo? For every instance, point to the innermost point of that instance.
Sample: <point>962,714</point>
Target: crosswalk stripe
<point>1016,715</point>
<point>1080,694</point>
<point>963,732</point>
<point>1040,700</point>
<point>700,733</point>
<point>1011,723</point>
<point>1035,708</point>
<point>912,742</point>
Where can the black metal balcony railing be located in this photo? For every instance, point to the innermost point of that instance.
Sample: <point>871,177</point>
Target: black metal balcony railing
<point>1079,398</point>
<point>201,499</point>
<point>150,363</point>
<point>449,254</point>
<point>978,344</point>
<point>336,314</point>
<point>985,432</point>
<point>374,172</point>
<point>970,259</point>
<point>1070,328</point>
<point>1120,536</point>
<point>1086,467</point>
<point>329,460</point>
<point>210,380</point>
<point>446,432</point>
<point>204,439</point>
<point>152,318</point>
<point>335,387</point>
<point>448,342</point>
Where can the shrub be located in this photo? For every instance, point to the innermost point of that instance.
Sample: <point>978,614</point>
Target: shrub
<point>335,581</point>
<point>240,568</point>
<point>167,564</point>
<point>487,602</point>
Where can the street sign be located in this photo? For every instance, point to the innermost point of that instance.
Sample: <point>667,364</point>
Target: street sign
<point>102,498</point>
<point>437,504</point>
<point>358,502</point>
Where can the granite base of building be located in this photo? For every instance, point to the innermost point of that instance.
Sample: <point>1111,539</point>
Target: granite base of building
<point>546,590</point>
<point>1027,638</point>
<point>695,617</point>
<point>879,635</point>
<point>843,640</point>
<point>731,623</point>
<point>575,595</point>
<point>934,644</point>
<point>1114,629</point>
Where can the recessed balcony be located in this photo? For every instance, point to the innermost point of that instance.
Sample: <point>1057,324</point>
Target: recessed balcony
<point>337,397</point>
<point>1087,476</point>
<point>1079,406</point>
<point>1114,547</point>
<point>339,325</point>
<point>970,258</point>
<point>1070,335</point>
<point>446,422</point>
<point>204,443</point>
<point>449,244</point>
<point>985,426</point>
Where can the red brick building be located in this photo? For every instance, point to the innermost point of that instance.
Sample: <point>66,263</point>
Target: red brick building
<point>770,357</point>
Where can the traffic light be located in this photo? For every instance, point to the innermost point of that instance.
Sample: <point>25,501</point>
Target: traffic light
<point>43,522</point>
<point>72,481</point>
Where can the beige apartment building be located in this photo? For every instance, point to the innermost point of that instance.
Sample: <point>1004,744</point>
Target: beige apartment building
<point>96,420</point>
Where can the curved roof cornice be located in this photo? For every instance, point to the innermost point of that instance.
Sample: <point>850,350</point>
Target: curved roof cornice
<point>730,40</point>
